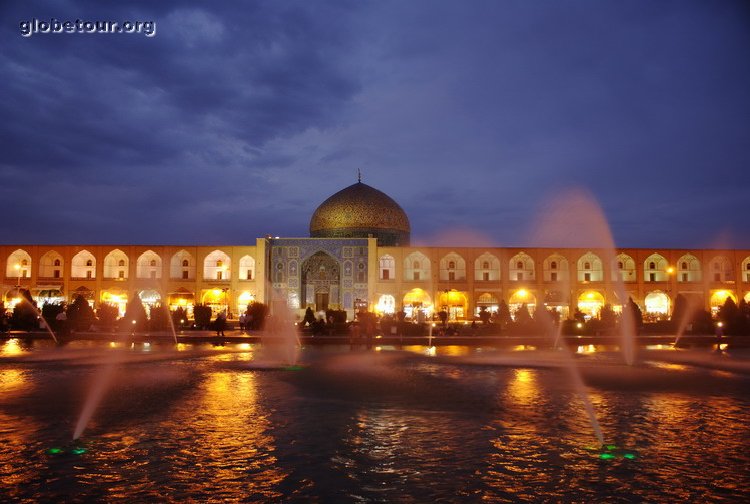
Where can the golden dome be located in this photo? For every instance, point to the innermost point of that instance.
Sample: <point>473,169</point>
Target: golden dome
<point>359,211</point>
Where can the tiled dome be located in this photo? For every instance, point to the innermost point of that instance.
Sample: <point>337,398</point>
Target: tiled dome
<point>359,211</point>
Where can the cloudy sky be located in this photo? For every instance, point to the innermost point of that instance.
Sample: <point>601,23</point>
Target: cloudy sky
<point>237,119</point>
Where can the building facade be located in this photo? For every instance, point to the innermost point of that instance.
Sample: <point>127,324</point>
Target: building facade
<point>358,257</point>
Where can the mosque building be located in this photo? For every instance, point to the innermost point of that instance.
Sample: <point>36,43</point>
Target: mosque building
<point>359,257</point>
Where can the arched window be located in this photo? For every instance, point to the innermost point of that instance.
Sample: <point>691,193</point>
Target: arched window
<point>387,267</point>
<point>116,265</point>
<point>148,265</point>
<point>452,267</point>
<point>620,265</point>
<point>57,262</point>
<point>247,268</point>
<point>216,266</point>
<point>684,266</point>
<point>521,267</point>
<point>652,265</point>
<point>590,268</point>
<point>182,266</point>
<point>416,267</point>
<point>89,263</point>
<point>553,265</point>
<point>486,268</point>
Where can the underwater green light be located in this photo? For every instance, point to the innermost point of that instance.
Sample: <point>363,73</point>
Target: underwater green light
<point>54,451</point>
<point>78,451</point>
<point>606,456</point>
<point>611,447</point>
<point>629,456</point>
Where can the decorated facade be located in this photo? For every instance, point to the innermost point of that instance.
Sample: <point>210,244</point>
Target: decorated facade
<point>359,257</point>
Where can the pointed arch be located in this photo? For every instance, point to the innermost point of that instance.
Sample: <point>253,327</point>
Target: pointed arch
<point>417,266</point>
<point>182,265</point>
<point>247,268</point>
<point>590,268</point>
<point>689,269</point>
<point>623,268</point>
<point>51,265</point>
<point>217,266</point>
<point>487,268</point>
<point>18,265</point>
<point>521,267</point>
<point>555,268</point>
<point>116,265</point>
<point>655,268</point>
<point>83,265</point>
<point>387,266</point>
<point>148,265</point>
<point>720,269</point>
<point>452,267</point>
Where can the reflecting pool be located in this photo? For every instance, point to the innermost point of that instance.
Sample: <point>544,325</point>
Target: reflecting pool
<point>206,423</point>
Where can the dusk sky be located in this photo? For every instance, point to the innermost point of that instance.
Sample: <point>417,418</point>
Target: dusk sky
<point>237,119</point>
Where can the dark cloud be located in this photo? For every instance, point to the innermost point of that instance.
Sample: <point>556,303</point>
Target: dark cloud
<point>237,119</point>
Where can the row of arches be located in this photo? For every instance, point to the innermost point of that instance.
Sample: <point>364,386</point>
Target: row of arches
<point>116,265</point>
<point>418,303</point>
<point>556,268</point>
<point>219,300</point>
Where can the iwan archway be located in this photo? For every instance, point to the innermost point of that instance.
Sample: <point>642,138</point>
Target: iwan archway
<point>321,282</point>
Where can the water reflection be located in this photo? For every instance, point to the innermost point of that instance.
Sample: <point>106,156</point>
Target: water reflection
<point>199,425</point>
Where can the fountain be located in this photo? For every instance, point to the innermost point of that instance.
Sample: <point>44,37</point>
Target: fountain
<point>573,219</point>
<point>280,341</point>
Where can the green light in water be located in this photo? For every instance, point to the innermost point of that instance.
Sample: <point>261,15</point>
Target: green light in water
<point>611,447</point>
<point>629,456</point>
<point>606,456</point>
<point>78,451</point>
<point>54,451</point>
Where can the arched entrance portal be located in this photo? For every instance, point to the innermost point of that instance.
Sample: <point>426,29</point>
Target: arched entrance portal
<point>454,303</point>
<point>417,304</point>
<point>718,298</point>
<point>321,280</point>
<point>590,303</point>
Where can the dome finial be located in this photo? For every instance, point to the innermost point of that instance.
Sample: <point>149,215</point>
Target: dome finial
<point>359,175</point>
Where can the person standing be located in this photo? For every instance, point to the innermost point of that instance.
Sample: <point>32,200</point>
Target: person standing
<point>221,323</point>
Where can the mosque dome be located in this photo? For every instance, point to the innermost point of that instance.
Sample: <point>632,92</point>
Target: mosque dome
<point>360,211</point>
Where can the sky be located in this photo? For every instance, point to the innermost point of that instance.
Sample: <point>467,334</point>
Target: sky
<point>235,120</point>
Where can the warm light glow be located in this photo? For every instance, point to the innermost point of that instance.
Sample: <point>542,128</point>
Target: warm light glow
<point>590,295</point>
<point>17,266</point>
<point>583,349</point>
<point>720,324</point>
<point>670,270</point>
<point>522,293</point>
<point>216,292</point>
<point>11,348</point>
